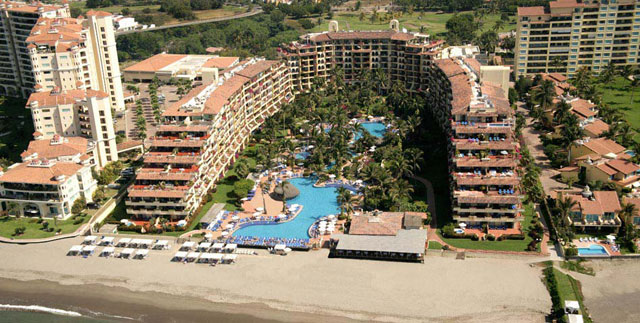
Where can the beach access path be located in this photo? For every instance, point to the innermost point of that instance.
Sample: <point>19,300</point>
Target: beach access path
<point>441,289</point>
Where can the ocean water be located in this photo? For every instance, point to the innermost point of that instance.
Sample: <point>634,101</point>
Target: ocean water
<point>41,317</point>
<point>317,202</point>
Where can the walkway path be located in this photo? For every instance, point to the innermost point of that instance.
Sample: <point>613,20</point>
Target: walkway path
<point>533,142</point>
<point>196,22</point>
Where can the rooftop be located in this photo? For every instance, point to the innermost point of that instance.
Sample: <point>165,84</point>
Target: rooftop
<point>37,173</point>
<point>54,98</point>
<point>383,224</point>
<point>405,241</point>
<point>57,147</point>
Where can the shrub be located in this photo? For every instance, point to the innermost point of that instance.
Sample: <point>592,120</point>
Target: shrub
<point>490,237</point>
<point>306,23</point>
<point>570,252</point>
<point>78,221</point>
<point>514,236</point>
<point>19,231</point>
<point>342,217</point>
<point>475,237</point>
<point>532,246</point>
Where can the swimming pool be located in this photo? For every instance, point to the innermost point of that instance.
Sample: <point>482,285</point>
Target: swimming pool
<point>303,155</point>
<point>593,250</point>
<point>317,202</point>
<point>377,129</point>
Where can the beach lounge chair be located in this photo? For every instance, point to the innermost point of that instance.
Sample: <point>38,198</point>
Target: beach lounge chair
<point>192,256</point>
<point>123,242</point>
<point>106,241</point>
<point>87,250</point>
<point>107,252</point>
<point>161,245</point>
<point>141,254</point>
<point>179,256</point>
<point>187,246</point>
<point>126,253</point>
<point>75,250</point>
<point>89,240</point>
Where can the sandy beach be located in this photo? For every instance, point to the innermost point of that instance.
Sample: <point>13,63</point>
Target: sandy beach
<point>613,295</point>
<point>303,286</point>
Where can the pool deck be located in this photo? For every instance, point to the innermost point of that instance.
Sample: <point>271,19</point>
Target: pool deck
<point>272,209</point>
<point>587,244</point>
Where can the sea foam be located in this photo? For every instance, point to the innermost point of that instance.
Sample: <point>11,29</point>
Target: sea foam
<point>38,308</point>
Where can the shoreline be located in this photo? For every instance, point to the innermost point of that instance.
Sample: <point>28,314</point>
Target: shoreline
<point>100,302</point>
<point>301,287</point>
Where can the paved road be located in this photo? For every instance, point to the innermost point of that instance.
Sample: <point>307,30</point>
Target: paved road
<point>196,22</point>
<point>532,139</point>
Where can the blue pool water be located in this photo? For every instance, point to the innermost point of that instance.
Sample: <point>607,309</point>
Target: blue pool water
<point>377,129</point>
<point>631,153</point>
<point>317,202</point>
<point>593,249</point>
<point>303,155</point>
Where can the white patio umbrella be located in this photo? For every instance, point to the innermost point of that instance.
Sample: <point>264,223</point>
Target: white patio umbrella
<point>225,233</point>
<point>462,225</point>
<point>260,209</point>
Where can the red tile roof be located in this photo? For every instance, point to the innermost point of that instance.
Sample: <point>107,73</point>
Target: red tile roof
<point>53,149</point>
<point>24,173</point>
<point>531,11</point>
<point>221,62</point>
<point>155,63</point>
<point>52,98</point>
<point>383,224</point>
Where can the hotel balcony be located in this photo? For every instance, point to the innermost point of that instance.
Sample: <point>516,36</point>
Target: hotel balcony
<point>615,222</point>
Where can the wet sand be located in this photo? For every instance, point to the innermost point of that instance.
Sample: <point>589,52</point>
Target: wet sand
<point>301,287</point>
<point>613,295</point>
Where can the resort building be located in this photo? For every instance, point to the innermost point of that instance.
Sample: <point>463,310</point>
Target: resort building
<point>403,56</point>
<point>623,173</point>
<point>64,149</point>
<point>485,176</point>
<point>123,23</point>
<point>175,66</point>
<point>593,211</point>
<point>382,237</point>
<point>596,148</point>
<point>76,53</point>
<point>571,34</point>
<point>83,113</point>
<point>16,21</point>
<point>201,137</point>
<point>44,187</point>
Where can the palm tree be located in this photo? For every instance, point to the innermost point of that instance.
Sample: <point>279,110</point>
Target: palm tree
<point>545,94</point>
<point>345,200</point>
<point>264,187</point>
<point>400,192</point>
<point>564,206</point>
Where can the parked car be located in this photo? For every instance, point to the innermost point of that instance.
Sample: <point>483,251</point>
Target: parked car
<point>114,186</point>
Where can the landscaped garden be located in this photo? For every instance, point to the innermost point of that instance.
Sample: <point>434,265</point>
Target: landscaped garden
<point>515,243</point>
<point>429,22</point>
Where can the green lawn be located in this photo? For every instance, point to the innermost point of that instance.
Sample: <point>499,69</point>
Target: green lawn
<point>505,245</point>
<point>435,245</point>
<point>568,290</point>
<point>82,5</point>
<point>618,94</point>
<point>16,128</point>
<point>434,23</point>
<point>33,229</point>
